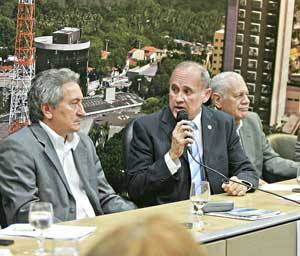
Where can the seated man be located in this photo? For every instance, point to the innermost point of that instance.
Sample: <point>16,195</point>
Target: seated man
<point>50,161</point>
<point>230,94</point>
<point>158,164</point>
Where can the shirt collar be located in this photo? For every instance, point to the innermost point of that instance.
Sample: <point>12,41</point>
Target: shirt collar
<point>59,141</point>
<point>197,120</point>
<point>239,126</point>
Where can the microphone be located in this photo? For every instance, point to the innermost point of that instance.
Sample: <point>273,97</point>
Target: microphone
<point>182,115</point>
<point>226,179</point>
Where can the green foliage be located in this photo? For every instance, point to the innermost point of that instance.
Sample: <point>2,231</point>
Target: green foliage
<point>113,162</point>
<point>126,23</point>
<point>153,104</point>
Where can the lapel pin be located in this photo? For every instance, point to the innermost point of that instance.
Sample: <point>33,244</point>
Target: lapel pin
<point>209,127</point>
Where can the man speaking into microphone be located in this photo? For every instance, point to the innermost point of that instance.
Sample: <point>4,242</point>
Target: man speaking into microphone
<point>160,169</point>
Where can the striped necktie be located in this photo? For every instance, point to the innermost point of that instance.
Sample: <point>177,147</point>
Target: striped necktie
<point>195,168</point>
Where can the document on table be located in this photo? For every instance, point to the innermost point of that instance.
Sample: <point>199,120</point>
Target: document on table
<point>279,187</point>
<point>54,232</point>
<point>247,214</point>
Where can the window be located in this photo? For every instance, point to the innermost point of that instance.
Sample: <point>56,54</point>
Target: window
<point>272,19</point>
<point>241,26</point>
<point>239,50</point>
<point>254,40</point>
<point>257,4</point>
<point>238,62</point>
<point>240,38</point>
<point>243,3</point>
<point>270,42</point>
<point>253,52</point>
<point>255,28</point>
<point>242,14</point>
<point>256,16</point>
<point>251,76</point>
<point>252,64</point>
<point>271,30</point>
<point>267,78</point>
<point>268,65</point>
<point>251,87</point>
<point>266,89</point>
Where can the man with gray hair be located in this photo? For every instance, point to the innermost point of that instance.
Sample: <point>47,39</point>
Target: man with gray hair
<point>51,161</point>
<point>230,94</point>
<point>159,168</point>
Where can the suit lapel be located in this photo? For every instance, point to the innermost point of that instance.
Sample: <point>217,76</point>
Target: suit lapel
<point>208,132</point>
<point>50,152</point>
<point>80,155</point>
<point>245,136</point>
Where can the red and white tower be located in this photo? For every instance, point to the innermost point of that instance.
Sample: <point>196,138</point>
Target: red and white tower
<point>24,66</point>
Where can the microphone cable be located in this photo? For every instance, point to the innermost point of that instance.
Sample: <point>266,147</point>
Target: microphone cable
<point>227,180</point>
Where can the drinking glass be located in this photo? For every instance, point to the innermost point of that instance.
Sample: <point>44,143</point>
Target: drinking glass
<point>298,175</point>
<point>199,196</point>
<point>41,218</point>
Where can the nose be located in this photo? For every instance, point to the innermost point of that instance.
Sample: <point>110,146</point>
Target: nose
<point>245,99</point>
<point>179,98</point>
<point>81,111</point>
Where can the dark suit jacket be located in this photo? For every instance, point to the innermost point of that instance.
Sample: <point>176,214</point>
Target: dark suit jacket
<point>268,164</point>
<point>30,171</point>
<point>149,180</point>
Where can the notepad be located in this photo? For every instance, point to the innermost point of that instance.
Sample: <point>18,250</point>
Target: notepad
<point>247,213</point>
<point>54,232</point>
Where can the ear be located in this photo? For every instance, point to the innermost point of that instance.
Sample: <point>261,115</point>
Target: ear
<point>217,100</point>
<point>207,94</point>
<point>47,111</point>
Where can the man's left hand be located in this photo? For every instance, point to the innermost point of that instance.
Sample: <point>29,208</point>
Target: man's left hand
<point>234,189</point>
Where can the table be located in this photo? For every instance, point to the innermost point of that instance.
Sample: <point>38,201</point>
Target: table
<point>222,236</point>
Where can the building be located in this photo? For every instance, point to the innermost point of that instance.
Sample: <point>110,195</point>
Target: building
<point>63,49</point>
<point>257,43</point>
<point>217,52</point>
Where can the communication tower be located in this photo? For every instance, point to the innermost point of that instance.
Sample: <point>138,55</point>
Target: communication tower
<point>24,65</point>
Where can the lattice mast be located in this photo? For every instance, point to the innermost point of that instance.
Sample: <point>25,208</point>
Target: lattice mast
<point>24,66</point>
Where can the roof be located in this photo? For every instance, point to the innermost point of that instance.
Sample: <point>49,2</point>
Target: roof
<point>149,49</point>
<point>96,104</point>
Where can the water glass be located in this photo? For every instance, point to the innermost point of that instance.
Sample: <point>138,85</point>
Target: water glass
<point>41,218</point>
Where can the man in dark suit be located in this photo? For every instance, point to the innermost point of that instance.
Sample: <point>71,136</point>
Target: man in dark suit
<point>51,161</point>
<point>230,94</point>
<point>158,164</point>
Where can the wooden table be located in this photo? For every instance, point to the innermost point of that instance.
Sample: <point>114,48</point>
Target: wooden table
<point>222,236</point>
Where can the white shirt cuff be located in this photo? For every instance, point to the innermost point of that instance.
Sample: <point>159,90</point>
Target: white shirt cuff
<point>173,165</point>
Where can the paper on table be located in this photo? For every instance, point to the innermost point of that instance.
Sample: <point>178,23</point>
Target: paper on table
<point>295,197</point>
<point>279,187</point>
<point>54,232</point>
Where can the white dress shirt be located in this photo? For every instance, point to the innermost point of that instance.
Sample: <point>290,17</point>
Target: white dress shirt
<point>174,165</point>
<point>64,149</point>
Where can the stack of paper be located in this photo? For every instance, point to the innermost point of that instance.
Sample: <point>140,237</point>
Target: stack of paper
<point>54,232</point>
<point>247,214</point>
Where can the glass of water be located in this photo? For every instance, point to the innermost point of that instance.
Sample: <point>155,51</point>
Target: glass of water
<point>199,196</point>
<point>41,218</point>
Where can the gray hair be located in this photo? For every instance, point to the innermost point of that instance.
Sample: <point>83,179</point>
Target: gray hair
<point>220,82</point>
<point>203,73</point>
<point>47,88</point>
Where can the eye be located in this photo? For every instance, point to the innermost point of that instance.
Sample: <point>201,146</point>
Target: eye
<point>174,88</point>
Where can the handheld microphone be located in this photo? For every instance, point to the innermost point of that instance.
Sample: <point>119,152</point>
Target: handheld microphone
<point>182,115</point>
<point>240,183</point>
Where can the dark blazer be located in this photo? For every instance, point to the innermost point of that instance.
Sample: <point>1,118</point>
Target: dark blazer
<point>268,164</point>
<point>149,180</point>
<point>30,171</point>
